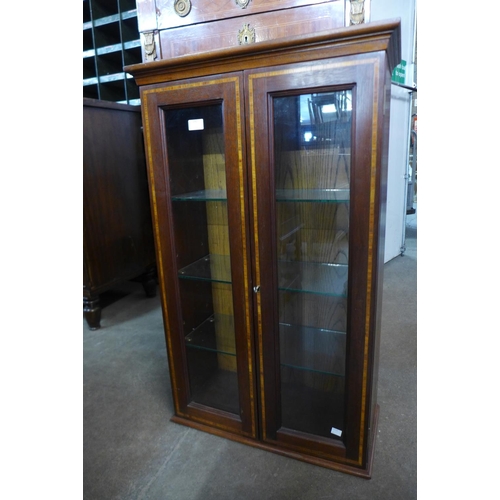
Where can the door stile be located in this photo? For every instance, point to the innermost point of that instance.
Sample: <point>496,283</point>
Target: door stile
<point>160,199</point>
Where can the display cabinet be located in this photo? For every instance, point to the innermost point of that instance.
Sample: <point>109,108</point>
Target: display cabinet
<point>267,170</point>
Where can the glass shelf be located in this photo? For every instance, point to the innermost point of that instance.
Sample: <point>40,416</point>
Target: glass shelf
<point>312,277</point>
<point>216,268</point>
<point>311,370</point>
<point>204,195</point>
<point>315,195</point>
<point>205,337</point>
<point>313,349</point>
<point>307,331</point>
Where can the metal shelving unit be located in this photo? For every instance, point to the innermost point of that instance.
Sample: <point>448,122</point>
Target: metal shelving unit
<point>110,41</point>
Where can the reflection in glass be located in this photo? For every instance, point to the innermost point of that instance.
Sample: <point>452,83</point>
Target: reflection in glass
<point>312,137</point>
<point>197,175</point>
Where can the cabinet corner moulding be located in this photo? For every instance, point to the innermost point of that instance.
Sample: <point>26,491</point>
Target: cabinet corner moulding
<point>267,169</point>
<point>357,12</point>
<point>149,42</point>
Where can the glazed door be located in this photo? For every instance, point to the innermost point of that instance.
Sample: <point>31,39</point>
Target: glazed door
<point>314,158</point>
<point>199,205</point>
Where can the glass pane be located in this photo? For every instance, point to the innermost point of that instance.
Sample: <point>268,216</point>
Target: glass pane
<point>312,137</point>
<point>197,174</point>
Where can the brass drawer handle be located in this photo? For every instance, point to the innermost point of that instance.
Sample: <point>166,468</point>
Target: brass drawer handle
<point>182,7</point>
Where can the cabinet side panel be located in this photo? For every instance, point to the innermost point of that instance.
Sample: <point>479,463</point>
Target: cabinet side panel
<point>117,221</point>
<point>384,105</point>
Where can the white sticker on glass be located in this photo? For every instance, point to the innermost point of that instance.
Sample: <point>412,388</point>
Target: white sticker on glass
<point>196,124</point>
<point>337,432</point>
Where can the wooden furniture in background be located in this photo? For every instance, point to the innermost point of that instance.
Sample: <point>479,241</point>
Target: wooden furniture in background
<point>267,168</point>
<point>118,242</point>
<point>171,28</point>
<point>110,41</point>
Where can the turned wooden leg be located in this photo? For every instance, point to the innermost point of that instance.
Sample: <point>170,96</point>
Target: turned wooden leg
<point>149,283</point>
<point>92,311</point>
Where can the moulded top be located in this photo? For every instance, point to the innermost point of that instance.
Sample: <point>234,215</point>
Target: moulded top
<point>364,38</point>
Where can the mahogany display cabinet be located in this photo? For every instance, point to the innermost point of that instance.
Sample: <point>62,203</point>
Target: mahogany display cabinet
<point>267,170</point>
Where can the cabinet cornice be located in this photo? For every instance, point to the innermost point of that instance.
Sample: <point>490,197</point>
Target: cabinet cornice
<point>361,39</point>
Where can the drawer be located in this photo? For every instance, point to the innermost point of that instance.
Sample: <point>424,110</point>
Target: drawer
<point>258,27</point>
<point>166,14</point>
